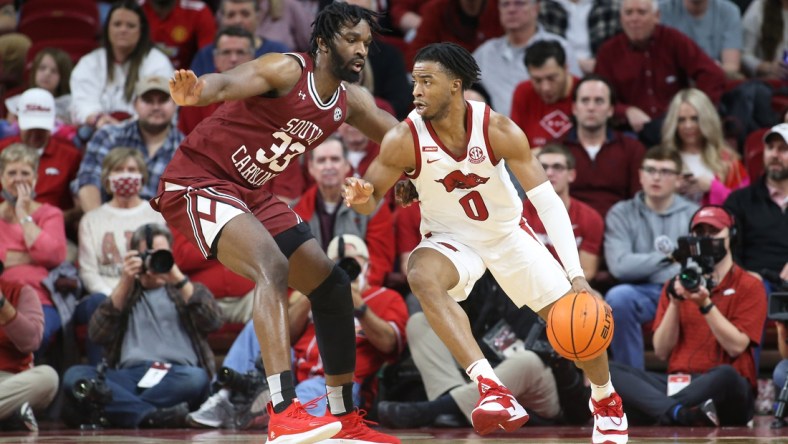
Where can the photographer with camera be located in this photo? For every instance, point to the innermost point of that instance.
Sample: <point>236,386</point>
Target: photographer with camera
<point>153,327</point>
<point>708,323</point>
<point>380,315</point>
<point>23,387</point>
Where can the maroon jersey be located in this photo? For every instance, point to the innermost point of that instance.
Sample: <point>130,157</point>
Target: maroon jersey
<point>248,142</point>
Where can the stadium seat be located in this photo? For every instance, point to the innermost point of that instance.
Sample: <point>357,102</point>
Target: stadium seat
<point>753,153</point>
<point>56,24</point>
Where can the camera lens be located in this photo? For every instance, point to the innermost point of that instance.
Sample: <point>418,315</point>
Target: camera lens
<point>350,266</point>
<point>82,389</point>
<point>690,279</point>
<point>159,261</point>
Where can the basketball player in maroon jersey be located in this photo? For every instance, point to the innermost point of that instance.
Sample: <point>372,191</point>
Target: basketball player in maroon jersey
<point>451,149</point>
<point>276,108</point>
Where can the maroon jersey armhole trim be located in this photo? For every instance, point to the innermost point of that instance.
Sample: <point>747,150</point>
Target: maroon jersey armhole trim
<point>485,126</point>
<point>416,148</point>
<point>298,57</point>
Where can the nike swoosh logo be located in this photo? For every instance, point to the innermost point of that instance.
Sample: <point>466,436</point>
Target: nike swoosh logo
<point>432,160</point>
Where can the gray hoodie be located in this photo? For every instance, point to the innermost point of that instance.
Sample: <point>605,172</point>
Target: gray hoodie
<point>630,230</point>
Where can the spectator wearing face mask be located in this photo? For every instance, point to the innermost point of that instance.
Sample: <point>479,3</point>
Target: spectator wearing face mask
<point>104,231</point>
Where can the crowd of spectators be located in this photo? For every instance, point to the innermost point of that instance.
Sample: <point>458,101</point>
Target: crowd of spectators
<point>633,109</point>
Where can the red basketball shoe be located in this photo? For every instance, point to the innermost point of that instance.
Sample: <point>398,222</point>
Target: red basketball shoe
<point>610,421</point>
<point>355,429</point>
<point>496,409</point>
<point>296,425</point>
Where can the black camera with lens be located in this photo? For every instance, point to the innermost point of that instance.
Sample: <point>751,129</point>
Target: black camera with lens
<point>698,255</point>
<point>347,264</point>
<point>157,261</point>
<point>244,383</point>
<point>92,395</point>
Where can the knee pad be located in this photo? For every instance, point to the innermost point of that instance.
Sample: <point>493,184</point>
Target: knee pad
<point>335,328</point>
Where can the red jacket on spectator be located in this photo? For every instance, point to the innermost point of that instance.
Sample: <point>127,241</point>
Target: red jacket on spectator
<point>57,167</point>
<point>649,77</point>
<point>613,176</point>
<point>443,21</point>
<point>379,234</point>
<point>21,336</point>
<point>386,304</point>
<point>587,225</point>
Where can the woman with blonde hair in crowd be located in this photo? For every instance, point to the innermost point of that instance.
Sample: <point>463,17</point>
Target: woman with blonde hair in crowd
<point>711,169</point>
<point>32,234</point>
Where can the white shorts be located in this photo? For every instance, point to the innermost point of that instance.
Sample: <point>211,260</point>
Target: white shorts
<point>521,265</point>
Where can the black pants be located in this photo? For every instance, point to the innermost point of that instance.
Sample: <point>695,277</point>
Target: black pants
<point>646,401</point>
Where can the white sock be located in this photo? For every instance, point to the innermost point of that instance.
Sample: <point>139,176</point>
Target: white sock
<point>336,400</point>
<point>482,368</point>
<point>599,392</point>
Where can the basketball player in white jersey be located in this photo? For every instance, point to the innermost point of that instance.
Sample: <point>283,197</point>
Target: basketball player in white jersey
<point>454,152</point>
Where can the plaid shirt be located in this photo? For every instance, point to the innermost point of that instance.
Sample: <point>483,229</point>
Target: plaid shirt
<point>603,20</point>
<point>126,134</point>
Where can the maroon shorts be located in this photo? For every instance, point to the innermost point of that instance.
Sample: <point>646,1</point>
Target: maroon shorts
<point>200,211</point>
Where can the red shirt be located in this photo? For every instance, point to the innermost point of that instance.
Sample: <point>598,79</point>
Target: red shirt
<point>649,77</point>
<point>612,176</point>
<point>741,298</point>
<point>222,282</point>
<point>386,304</point>
<point>253,140</point>
<point>57,167</point>
<point>538,120</point>
<point>587,225</point>
<point>406,228</point>
<point>443,21</point>
<point>20,336</point>
<point>187,28</point>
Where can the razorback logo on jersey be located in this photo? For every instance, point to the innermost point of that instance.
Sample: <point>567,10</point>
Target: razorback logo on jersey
<point>459,180</point>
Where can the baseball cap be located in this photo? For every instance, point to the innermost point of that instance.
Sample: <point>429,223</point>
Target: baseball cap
<point>152,83</point>
<point>714,216</point>
<point>781,129</point>
<point>359,247</point>
<point>36,110</point>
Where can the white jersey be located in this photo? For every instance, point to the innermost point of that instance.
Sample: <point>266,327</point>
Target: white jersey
<point>470,196</point>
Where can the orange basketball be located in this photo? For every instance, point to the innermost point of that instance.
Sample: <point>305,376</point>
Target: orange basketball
<point>580,326</point>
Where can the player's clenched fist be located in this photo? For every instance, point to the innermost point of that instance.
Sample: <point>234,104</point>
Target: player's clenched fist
<point>356,191</point>
<point>185,87</point>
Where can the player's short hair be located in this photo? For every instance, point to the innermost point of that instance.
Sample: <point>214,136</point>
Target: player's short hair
<point>455,59</point>
<point>557,148</point>
<point>336,15</point>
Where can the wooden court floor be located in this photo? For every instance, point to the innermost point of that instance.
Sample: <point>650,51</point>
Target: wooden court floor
<point>760,433</point>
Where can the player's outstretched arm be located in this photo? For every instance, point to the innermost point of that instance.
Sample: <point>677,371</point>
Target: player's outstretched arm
<point>396,155</point>
<point>269,72</point>
<point>509,142</point>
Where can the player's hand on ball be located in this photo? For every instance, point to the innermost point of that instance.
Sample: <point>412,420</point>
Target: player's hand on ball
<point>356,191</point>
<point>185,87</point>
<point>405,193</point>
